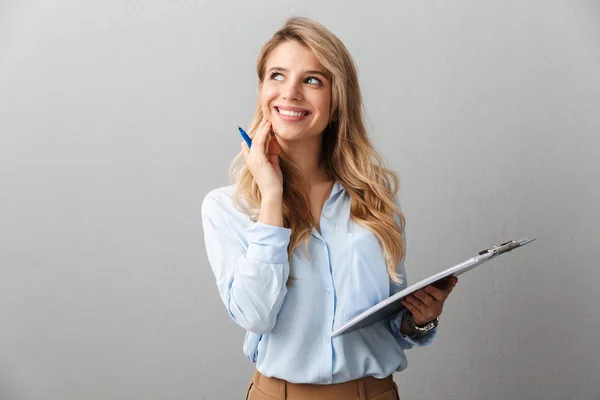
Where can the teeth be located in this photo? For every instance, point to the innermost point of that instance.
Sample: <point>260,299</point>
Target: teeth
<point>292,113</point>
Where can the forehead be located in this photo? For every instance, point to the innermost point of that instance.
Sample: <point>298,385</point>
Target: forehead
<point>293,55</point>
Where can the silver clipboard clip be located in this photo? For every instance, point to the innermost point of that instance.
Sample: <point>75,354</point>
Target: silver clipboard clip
<point>505,247</point>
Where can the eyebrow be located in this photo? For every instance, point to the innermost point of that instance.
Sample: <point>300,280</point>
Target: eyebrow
<point>313,72</point>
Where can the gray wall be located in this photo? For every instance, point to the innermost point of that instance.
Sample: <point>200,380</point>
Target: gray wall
<point>116,118</point>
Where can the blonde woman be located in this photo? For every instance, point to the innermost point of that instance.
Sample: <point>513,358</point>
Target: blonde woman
<point>310,233</point>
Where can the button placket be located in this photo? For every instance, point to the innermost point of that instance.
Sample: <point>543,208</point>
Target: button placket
<point>330,307</point>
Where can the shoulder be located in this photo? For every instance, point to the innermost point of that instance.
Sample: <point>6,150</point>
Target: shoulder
<point>218,203</point>
<point>223,193</point>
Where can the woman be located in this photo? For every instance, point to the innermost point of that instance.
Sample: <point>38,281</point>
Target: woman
<point>310,234</point>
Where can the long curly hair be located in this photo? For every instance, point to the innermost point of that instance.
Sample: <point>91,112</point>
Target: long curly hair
<point>347,153</point>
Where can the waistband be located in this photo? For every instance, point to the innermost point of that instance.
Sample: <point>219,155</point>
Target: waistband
<point>363,388</point>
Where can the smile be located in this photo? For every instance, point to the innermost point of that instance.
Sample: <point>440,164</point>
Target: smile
<point>290,113</point>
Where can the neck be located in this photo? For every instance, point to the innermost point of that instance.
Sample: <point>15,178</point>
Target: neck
<point>306,156</point>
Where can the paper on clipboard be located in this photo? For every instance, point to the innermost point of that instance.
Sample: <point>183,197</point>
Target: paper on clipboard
<point>392,305</point>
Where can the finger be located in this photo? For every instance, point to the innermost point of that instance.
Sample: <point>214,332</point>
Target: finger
<point>416,304</point>
<point>453,282</point>
<point>450,286</point>
<point>442,284</point>
<point>410,308</point>
<point>254,133</point>
<point>425,298</point>
<point>245,149</point>
<point>434,292</point>
<point>260,137</point>
<point>446,285</point>
<point>273,151</point>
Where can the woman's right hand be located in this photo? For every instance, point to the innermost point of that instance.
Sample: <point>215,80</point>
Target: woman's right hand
<point>264,167</point>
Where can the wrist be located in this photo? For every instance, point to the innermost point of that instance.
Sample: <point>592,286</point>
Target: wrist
<point>272,198</point>
<point>412,329</point>
<point>421,324</point>
<point>271,211</point>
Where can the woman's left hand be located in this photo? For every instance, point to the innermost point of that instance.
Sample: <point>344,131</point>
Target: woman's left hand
<point>426,304</point>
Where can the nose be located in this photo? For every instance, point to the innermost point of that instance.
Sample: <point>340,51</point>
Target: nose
<point>291,90</point>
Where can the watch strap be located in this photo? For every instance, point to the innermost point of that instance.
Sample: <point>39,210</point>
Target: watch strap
<point>419,331</point>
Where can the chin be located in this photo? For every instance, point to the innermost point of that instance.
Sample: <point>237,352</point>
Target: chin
<point>288,133</point>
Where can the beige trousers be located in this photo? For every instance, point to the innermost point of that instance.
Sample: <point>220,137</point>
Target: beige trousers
<point>368,388</point>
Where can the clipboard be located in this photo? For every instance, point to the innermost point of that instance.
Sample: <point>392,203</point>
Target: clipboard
<point>392,305</point>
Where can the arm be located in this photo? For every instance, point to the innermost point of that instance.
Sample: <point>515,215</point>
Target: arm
<point>399,329</point>
<point>425,305</point>
<point>250,264</point>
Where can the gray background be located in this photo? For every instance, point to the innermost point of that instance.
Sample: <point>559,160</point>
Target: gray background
<point>116,118</point>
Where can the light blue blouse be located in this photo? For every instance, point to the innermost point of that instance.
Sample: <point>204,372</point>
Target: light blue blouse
<point>289,327</point>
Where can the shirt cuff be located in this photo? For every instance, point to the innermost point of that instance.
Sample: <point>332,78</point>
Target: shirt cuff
<point>268,243</point>
<point>396,324</point>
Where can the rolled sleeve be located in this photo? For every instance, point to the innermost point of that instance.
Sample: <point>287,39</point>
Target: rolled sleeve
<point>250,264</point>
<point>396,324</point>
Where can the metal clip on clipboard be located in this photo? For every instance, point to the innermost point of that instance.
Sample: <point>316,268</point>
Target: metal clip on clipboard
<point>505,247</point>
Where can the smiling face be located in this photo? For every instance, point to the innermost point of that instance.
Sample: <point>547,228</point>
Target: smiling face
<point>296,93</point>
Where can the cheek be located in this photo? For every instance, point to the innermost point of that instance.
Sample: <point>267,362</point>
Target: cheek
<point>324,106</point>
<point>324,103</point>
<point>267,95</point>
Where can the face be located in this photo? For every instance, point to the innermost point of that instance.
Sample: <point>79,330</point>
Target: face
<point>295,94</point>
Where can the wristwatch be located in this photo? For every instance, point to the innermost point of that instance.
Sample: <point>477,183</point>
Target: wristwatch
<point>418,331</point>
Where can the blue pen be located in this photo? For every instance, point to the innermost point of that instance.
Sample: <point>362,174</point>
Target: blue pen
<point>245,137</point>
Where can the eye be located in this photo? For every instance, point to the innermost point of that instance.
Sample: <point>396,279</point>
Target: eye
<point>275,75</point>
<point>316,81</point>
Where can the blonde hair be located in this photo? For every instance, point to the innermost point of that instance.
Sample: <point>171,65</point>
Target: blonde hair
<point>347,154</point>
